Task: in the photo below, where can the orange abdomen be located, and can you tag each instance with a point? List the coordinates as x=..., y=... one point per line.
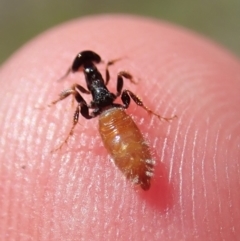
x=126, y=145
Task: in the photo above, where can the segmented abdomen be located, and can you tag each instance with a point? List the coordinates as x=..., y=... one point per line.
x=125, y=143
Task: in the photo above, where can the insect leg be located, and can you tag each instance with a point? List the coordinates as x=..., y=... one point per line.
x=82, y=105
x=82, y=108
x=75, y=121
x=126, y=75
x=119, y=85
x=71, y=91
x=127, y=94
x=63, y=95
x=82, y=89
x=107, y=74
x=125, y=99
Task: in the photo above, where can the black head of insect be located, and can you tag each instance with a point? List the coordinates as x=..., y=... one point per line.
x=83, y=58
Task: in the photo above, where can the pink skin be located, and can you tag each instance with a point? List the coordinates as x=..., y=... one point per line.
x=76, y=193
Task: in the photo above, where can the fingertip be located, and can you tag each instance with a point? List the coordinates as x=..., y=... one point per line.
x=181, y=73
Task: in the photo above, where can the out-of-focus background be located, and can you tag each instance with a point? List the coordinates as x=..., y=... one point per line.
x=22, y=20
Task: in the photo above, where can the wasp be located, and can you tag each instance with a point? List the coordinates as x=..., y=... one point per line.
x=120, y=135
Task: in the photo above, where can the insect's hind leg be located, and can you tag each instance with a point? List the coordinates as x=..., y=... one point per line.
x=127, y=95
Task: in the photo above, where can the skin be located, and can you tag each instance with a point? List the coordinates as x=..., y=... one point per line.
x=76, y=193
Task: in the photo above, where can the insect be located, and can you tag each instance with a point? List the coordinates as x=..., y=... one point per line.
x=120, y=135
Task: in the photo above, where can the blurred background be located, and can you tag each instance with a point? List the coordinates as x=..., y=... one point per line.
x=22, y=20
